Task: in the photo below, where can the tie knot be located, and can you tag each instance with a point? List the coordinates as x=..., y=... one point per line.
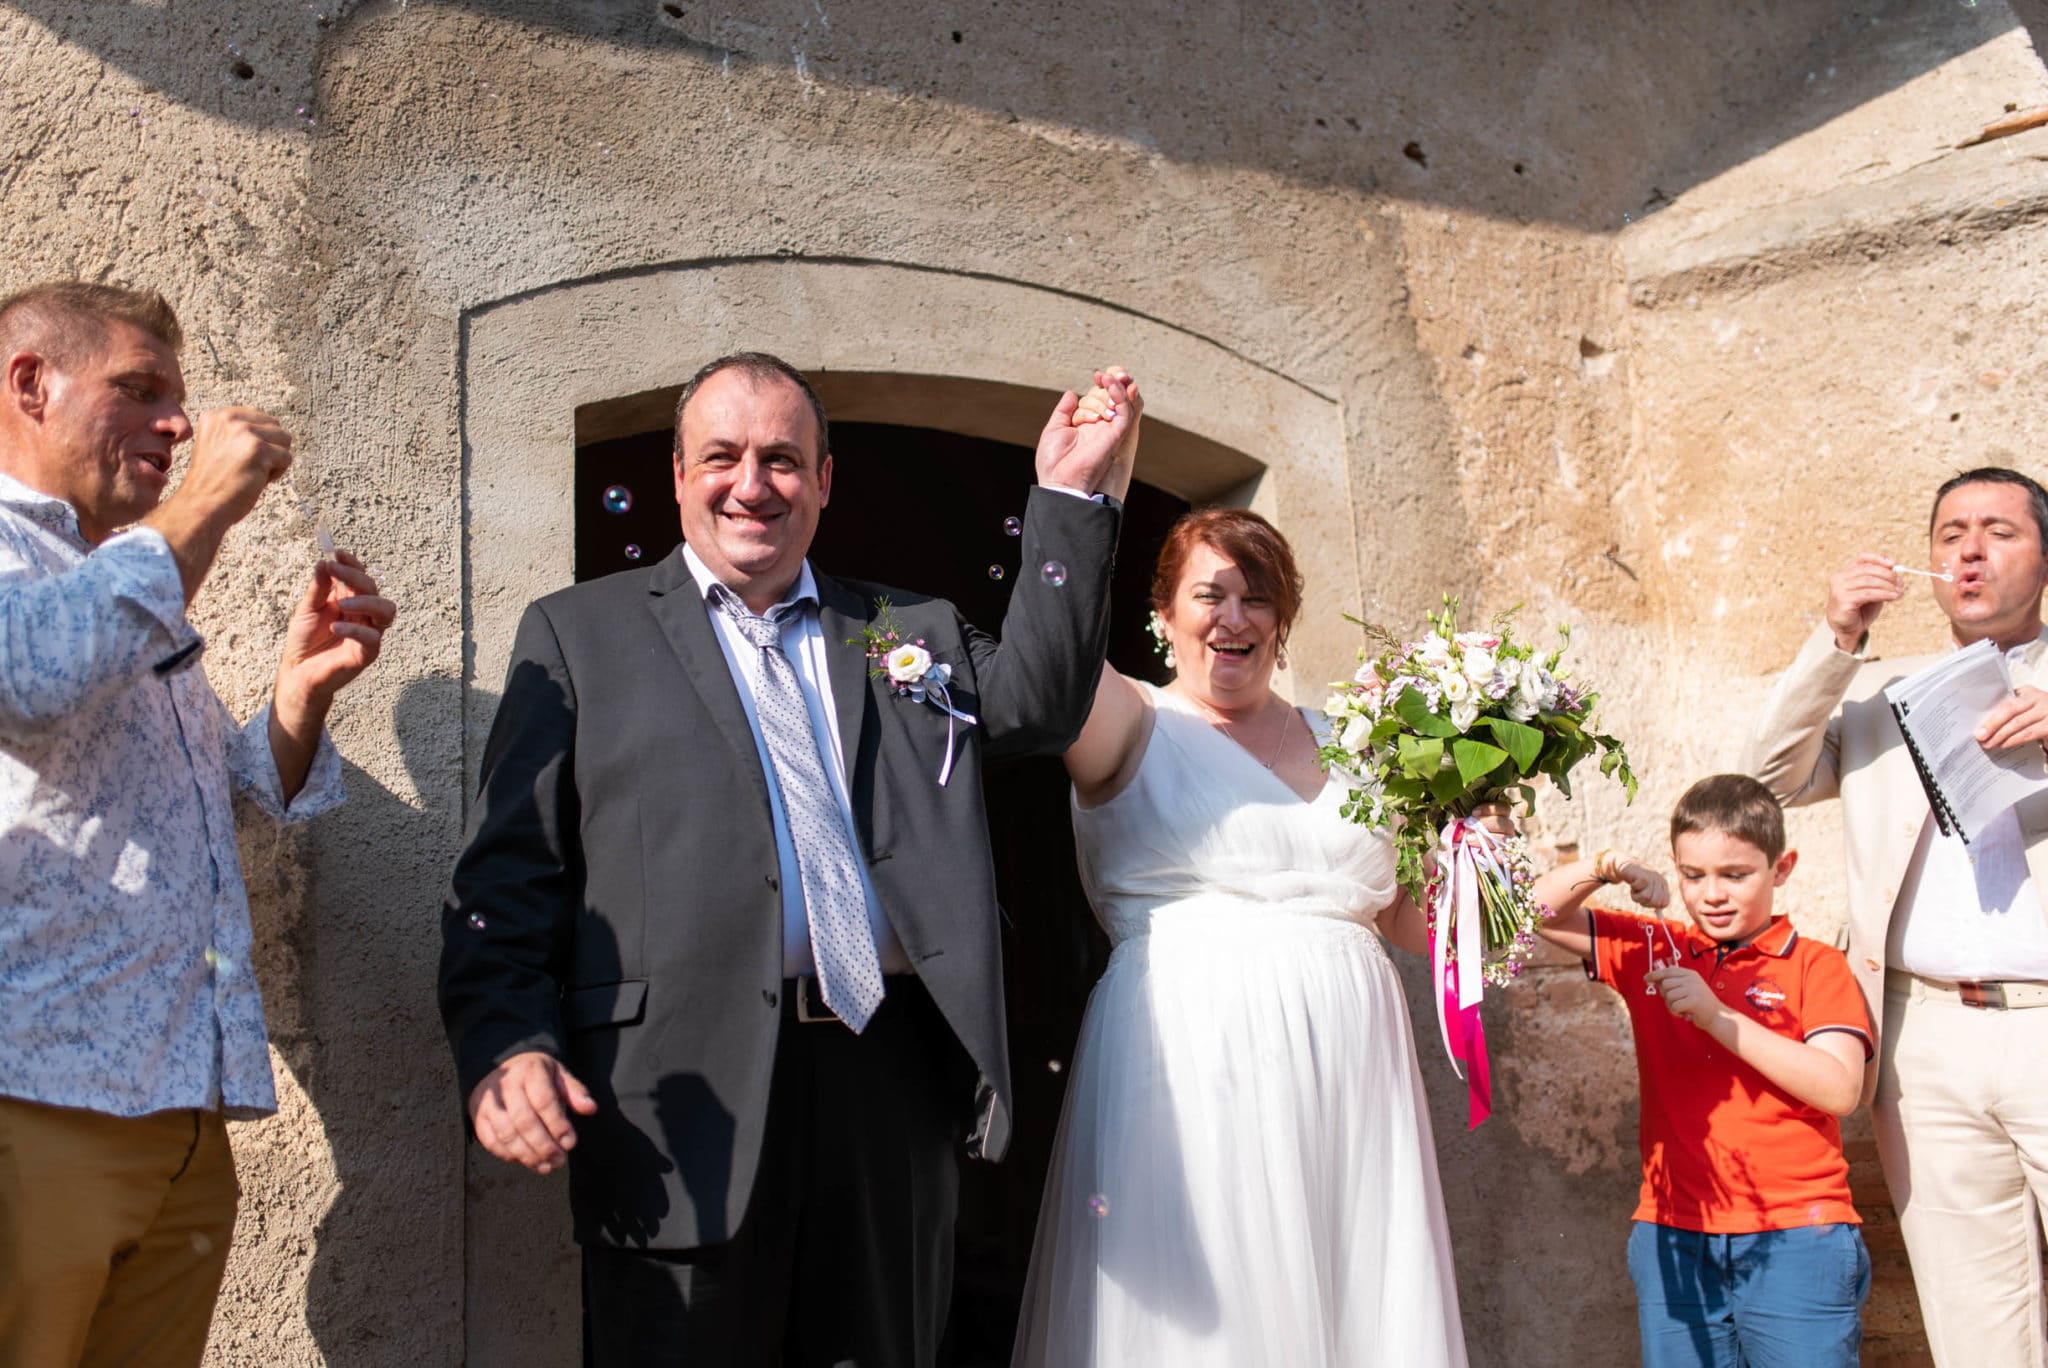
x=764, y=632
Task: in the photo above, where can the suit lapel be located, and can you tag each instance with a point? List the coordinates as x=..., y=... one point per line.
x=841, y=616
x=685, y=620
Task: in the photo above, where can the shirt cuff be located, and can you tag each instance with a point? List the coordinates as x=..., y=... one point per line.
x=1077, y=493
x=146, y=575
x=256, y=769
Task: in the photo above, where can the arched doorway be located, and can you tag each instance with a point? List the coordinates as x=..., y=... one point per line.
x=926, y=509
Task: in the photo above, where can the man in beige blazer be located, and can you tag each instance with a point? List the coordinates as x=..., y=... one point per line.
x=1949, y=943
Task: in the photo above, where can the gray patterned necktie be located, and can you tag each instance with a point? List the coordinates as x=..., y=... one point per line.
x=842, y=942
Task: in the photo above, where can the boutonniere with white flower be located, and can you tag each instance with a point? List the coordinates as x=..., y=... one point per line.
x=911, y=672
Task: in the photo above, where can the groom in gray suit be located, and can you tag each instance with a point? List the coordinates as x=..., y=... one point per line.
x=724, y=935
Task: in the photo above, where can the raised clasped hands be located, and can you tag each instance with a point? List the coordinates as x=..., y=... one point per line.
x=1090, y=443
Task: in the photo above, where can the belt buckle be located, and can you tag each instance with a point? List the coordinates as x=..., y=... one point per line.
x=1982, y=995
x=807, y=992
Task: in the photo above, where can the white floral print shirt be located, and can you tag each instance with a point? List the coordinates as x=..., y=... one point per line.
x=125, y=983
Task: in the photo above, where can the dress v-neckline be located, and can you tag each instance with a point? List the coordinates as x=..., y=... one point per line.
x=1190, y=712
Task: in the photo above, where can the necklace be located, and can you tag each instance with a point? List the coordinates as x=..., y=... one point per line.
x=1223, y=724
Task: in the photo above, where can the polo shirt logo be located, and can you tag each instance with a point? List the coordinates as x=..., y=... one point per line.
x=1765, y=995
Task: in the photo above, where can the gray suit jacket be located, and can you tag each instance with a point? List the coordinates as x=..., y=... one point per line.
x=621, y=858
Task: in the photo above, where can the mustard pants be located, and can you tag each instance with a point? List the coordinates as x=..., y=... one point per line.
x=114, y=1232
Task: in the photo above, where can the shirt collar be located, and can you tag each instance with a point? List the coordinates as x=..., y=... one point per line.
x=2028, y=657
x=46, y=510
x=805, y=590
x=1775, y=940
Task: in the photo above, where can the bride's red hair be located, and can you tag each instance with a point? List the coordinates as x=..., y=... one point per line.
x=1252, y=543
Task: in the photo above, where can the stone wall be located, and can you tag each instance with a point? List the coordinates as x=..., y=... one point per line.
x=1640, y=316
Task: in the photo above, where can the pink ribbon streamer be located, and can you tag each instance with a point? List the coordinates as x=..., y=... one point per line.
x=1454, y=909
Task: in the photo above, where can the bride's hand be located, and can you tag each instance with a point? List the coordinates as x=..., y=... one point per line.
x=1098, y=404
x=1498, y=818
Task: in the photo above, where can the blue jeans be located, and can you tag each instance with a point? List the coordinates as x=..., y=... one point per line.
x=1774, y=1299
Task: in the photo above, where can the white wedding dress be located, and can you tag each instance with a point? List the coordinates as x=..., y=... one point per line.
x=1244, y=1174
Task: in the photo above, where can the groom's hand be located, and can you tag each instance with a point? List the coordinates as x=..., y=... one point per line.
x=521, y=1111
x=1090, y=445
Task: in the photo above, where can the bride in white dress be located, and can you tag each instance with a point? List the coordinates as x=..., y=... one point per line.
x=1244, y=1174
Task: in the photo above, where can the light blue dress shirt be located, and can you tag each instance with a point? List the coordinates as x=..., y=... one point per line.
x=804, y=643
x=125, y=949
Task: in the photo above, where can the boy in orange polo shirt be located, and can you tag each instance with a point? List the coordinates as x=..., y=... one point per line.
x=1750, y=1041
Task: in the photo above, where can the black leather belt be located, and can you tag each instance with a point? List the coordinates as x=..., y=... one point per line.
x=803, y=1000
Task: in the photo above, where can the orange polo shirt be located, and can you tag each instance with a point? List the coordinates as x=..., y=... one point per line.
x=1726, y=1151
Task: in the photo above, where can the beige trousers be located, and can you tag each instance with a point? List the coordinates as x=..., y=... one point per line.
x=1962, y=1130
x=114, y=1233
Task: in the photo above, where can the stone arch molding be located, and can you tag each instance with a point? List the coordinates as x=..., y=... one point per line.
x=890, y=343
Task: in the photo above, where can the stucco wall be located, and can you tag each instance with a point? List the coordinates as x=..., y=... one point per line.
x=1641, y=316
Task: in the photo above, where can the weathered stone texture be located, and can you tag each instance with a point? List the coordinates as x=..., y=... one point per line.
x=1641, y=316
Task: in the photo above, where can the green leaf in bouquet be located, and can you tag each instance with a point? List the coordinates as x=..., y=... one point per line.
x=1475, y=759
x=1447, y=787
x=1386, y=729
x=1402, y=789
x=1523, y=742
x=1415, y=712
x=1421, y=756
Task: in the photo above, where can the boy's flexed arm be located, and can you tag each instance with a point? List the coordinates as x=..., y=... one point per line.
x=1824, y=1071
x=1564, y=891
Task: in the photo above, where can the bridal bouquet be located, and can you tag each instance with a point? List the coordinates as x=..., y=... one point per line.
x=1426, y=732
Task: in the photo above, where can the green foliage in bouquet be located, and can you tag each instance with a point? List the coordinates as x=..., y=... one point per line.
x=1429, y=730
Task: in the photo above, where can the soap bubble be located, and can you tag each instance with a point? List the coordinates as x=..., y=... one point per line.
x=476, y=921
x=1053, y=573
x=1053, y=1065
x=618, y=499
x=995, y=572
x=1013, y=526
x=633, y=551
x=220, y=964
x=201, y=1244
x=1098, y=1206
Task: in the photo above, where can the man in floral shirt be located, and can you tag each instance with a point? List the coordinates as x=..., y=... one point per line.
x=130, y=1025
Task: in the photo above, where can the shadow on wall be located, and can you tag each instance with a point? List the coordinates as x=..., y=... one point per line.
x=348, y=1008
x=1575, y=111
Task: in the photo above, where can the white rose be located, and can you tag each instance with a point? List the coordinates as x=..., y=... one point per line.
x=1434, y=650
x=1353, y=737
x=1337, y=705
x=1456, y=687
x=1520, y=711
x=908, y=663
x=1478, y=664
x=1464, y=714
